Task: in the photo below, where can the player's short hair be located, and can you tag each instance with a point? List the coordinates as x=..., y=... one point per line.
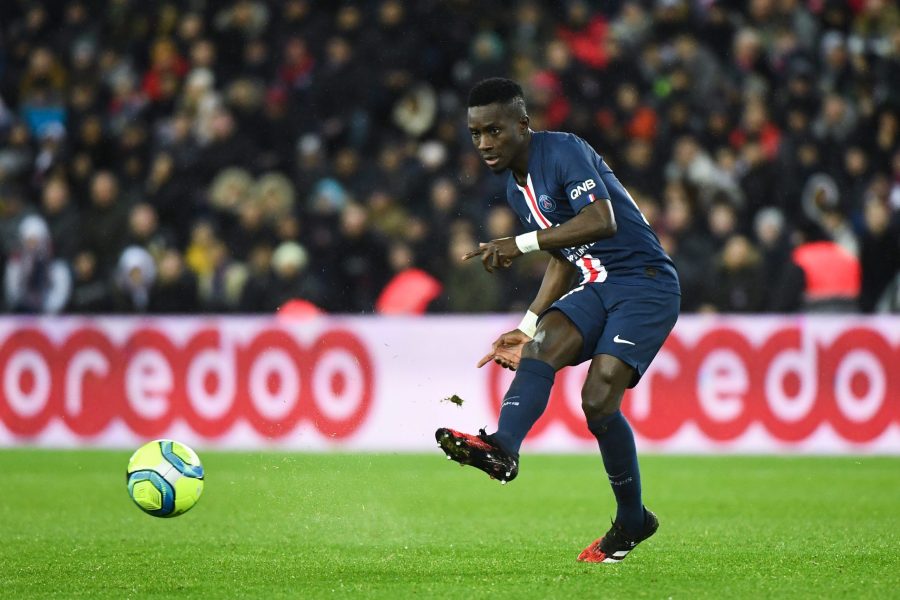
x=496, y=89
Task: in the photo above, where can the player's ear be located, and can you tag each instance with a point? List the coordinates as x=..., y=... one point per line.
x=523, y=124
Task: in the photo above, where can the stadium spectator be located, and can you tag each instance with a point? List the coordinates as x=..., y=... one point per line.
x=144, y=230
x=738, y=283
x=34, y=280
x=879, y=253
x=411, y=290
x=255, y=278
x=785, y=279
x=685, y=242
x=832, y=276
x=360, y=267
x=171, y=199
x=468, y=287
x=175, y=291
x=133, y=281
x=722, y=222
x=16, y=155
x=287, y=279
x=221, y=285
x=62, y=218
x=105, y=229
x=758, y=180
x=91, y=293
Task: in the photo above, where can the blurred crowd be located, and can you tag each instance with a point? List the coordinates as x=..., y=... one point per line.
x=230, y=156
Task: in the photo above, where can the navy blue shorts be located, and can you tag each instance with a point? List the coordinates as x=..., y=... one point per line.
x=626, y=321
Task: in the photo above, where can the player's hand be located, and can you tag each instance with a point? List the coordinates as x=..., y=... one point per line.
x=496, y=254
x=507, y=350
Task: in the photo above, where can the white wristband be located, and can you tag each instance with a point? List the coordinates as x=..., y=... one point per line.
x=528, y=326
x=528, y=242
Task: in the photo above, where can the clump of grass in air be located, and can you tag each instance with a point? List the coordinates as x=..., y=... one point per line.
x=454, y=399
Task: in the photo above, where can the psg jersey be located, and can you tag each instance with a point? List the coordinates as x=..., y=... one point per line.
x=565, y=175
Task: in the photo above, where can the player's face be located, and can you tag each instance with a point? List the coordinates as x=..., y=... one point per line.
x=498, y=134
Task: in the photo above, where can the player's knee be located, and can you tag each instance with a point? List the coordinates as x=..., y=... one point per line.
x=600, y=397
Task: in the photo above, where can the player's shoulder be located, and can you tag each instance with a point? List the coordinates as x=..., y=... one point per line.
x=564, y=146
x=561, y=140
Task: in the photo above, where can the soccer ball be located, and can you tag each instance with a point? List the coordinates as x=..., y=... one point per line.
x=165, y=478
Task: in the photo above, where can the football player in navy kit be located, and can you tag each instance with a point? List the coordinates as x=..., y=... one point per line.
x=610, y=295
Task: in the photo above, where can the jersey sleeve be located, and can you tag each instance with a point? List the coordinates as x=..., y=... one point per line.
x=578, y=174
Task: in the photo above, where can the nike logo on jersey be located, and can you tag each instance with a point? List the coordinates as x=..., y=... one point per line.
x=619, y=340
x=528, y=218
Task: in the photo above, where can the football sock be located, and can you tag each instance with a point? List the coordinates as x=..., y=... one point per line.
x=617, y=447
x=524, y=403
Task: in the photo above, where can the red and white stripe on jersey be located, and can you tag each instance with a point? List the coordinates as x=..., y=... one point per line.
x=531, y=202
x=592, y=270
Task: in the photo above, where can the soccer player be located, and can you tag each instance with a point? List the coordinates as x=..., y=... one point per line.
x=618, y=315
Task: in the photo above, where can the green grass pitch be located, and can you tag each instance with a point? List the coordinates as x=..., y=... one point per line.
x=275, y=525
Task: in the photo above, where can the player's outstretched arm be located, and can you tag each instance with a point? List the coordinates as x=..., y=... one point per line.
x=596, y=221
x=506, y=351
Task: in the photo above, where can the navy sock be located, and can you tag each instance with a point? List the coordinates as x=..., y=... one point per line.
x=616, y=442
x=524, y=402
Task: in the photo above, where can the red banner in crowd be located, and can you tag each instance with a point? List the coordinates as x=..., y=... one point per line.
x=811, y=384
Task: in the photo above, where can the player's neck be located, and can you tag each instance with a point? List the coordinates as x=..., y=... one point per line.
x=519, y=165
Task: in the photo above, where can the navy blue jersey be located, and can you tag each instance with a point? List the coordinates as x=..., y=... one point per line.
x=564, y=175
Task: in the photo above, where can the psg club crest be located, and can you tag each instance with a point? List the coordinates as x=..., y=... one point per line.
x=546, y=203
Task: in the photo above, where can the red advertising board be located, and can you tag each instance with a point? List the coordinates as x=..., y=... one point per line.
x=814, y=384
